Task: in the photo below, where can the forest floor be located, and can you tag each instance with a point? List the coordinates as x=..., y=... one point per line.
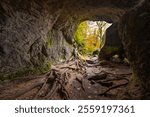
x=74, y=79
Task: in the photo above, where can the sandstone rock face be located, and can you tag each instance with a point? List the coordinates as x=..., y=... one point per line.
x=134, y=30
x=28, y=43
x=35, y=33
x=113, y=44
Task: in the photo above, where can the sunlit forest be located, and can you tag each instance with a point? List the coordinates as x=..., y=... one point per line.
x=90, y=36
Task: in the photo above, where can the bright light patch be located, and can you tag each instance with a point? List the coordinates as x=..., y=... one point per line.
x=90, y=36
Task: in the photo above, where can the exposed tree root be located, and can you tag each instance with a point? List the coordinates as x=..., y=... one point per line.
x=98, y=77
x=15, y=92
x=113, y=87
x=109, y=82
x=57, y=78
x=59, y=81
x=82, y=84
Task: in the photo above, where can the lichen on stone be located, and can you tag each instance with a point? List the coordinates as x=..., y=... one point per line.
x=49, y=39
x=25, y=72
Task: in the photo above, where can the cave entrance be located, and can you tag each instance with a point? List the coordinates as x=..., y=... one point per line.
x=90, y=37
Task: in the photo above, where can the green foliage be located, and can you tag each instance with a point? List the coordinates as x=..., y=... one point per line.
x=92, y=44
x=90, y=38
x=81, y=33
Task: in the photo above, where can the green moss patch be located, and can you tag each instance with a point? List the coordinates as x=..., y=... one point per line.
x=25, y=72
x=49, y=39
x=111, y=49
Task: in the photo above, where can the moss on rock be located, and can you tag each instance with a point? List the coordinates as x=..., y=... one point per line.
x=107, y=52
x=49, y=39
x=25, y=72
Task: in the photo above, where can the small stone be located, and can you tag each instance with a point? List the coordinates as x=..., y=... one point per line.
x=89, y=96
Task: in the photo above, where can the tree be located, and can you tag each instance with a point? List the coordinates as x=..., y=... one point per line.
x=90, y=36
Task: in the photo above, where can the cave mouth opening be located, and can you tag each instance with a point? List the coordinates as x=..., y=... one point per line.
x=90, y=37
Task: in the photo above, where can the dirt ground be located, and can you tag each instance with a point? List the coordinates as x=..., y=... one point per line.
x=74, y=80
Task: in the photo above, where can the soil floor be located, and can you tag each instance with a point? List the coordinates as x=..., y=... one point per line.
x=74, y=80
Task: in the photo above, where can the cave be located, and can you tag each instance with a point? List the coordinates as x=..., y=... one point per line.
x=37, y=37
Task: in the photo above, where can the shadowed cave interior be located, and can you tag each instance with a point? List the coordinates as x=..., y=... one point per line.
x=42, y=55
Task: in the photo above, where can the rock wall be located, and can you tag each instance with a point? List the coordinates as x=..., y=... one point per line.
x=134, y=30
x=113, y=44
x=28, y=42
